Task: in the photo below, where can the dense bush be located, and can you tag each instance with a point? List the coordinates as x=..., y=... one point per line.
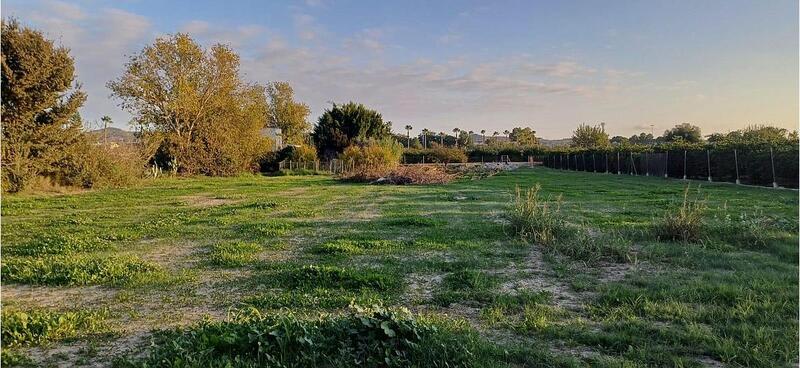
x=371, y=160
x=41, y=124
x=369, y=337
x=346, y=125
x=436, y=154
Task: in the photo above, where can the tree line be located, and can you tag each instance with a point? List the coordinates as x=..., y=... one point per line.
x=194, y=114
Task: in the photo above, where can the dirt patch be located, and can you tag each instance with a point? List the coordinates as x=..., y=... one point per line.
x=207, y=201
x=421, y=287
x=56, y=297
x=537, y=276
x=172, y=255
x=95, y=354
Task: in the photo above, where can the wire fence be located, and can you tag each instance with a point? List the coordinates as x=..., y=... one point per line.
x=334, y=166
x=766, y=167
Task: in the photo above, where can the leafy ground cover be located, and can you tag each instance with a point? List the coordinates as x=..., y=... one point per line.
x=254, y=270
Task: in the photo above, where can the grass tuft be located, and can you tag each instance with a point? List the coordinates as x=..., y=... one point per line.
x=536, y=219
x=685, y=221
x=233, y=254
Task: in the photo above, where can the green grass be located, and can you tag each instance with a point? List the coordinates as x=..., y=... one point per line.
x=302, y=249
x=38, y=326
x=233, y=254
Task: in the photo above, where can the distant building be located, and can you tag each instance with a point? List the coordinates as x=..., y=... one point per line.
x=275, y=135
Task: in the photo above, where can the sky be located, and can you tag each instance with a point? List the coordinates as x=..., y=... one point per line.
x=634, y=65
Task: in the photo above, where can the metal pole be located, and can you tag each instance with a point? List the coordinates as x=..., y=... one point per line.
x=772, y=161
x=619, y=171
x=736, y=159
x=684, y=164
x=606, y=165
x=594, y=164
x=646, y=165
x=666, y=164
x=708, y=159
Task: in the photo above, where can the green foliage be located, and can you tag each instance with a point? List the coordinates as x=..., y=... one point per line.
x=322, y=298
x=287, y=114
x=267, y=230
x=585, y=246
x=312, y=276
x=38, y=326
x=75, y=269
x=587, y=136
x=342, y=126
x=684, y=222
x=41, y=125
x=58, y=244
x=536, y=219
x=683, y=133
x=301, y=153
x=370, y=337
x=347, y=246
x=523, y=136
x=233, y=254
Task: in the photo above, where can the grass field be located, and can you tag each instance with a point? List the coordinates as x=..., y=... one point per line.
x=254, y=270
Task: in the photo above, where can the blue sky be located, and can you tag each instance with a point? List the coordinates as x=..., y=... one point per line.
x=475, y=65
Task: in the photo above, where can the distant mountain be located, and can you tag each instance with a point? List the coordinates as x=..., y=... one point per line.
x=115, y=135
x=555, y=142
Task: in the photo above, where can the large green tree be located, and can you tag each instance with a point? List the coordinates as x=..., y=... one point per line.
x=286, y=113
x=587, y=136
x=40, y=102
x=191, y=104
x=523, y=136
x=683, y=132
x=343, y=125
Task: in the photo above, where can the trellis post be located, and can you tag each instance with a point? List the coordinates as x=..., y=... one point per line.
x=646, y=165
x=619, y=171
x=736, y=160
x=772, y=162
x=708, y=160
x=594, y=164
x=684, y=164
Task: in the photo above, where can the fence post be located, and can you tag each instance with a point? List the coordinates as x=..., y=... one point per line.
x=666, y=165
x=736, y=160
x=606, y=165
x=594, y=164
x=646, y=165
x=708, y=159
x=684, y=164
x=619, y=171
x=633, y=165
x=583, y=160
x=772, y=162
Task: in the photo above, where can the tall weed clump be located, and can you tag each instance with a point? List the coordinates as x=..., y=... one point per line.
x=372, y=160
x=684, y=222
x=535, y=218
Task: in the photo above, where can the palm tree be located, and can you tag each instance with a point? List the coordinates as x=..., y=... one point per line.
x=425, y=138
x=441, y=138
x=506, y=132
x=495, y=134
x=408, y=135
x=455, y=131
x=469, y=137
x=483, y=134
